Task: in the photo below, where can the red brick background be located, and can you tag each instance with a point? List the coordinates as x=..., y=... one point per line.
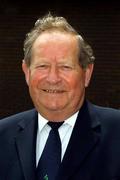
x=98, y=22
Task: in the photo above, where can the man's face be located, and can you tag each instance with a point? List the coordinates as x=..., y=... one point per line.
x=56, y=80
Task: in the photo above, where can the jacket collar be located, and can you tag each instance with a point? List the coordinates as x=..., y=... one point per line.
x=84, y=138
x=26, y=143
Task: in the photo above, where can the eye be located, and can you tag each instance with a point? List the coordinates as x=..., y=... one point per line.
x=67, y=67
x=42, y=66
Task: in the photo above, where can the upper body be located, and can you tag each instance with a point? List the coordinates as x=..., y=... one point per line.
x=58, y=66
x=92, y=153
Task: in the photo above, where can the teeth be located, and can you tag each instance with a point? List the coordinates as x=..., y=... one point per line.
x=52, y=91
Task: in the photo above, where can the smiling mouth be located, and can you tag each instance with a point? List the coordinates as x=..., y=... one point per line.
x=53, y=91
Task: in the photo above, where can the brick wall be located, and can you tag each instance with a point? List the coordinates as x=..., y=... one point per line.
x=98, y=22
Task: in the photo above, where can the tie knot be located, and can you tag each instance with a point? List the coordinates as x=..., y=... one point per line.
x=55, y=125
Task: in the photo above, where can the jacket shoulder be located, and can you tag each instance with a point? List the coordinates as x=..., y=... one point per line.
x=16, y=118
x=107, y=116
x=107, y=112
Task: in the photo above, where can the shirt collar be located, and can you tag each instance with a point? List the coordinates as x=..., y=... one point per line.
x=42, y=121
x=71, y=120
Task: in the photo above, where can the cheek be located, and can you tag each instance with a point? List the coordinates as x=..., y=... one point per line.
x=77, y=92
x=36, y=78
x=76, y=83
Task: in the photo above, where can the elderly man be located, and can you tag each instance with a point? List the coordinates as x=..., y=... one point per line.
x=65, y=137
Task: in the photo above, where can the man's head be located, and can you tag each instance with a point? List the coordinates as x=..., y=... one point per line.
x=58, y=66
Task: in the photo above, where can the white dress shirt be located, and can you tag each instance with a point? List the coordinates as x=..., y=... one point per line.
x=65, y=132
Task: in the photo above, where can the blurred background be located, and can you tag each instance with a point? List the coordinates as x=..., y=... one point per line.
x=98, y=22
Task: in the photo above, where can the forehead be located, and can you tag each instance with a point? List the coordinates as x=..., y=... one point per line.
x=55, y=45
x=55, y=37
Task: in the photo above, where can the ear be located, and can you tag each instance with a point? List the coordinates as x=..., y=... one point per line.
x=25, y=69
x=88, y=74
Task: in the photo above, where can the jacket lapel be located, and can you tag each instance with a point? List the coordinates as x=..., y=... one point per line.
x=26, y=143
x=82, y=141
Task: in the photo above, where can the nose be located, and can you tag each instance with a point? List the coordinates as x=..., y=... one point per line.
x=53, y=75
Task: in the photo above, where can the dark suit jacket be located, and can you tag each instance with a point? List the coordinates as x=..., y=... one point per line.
x=93, y=152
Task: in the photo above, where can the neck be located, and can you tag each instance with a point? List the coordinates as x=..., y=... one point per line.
x=57, y=116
